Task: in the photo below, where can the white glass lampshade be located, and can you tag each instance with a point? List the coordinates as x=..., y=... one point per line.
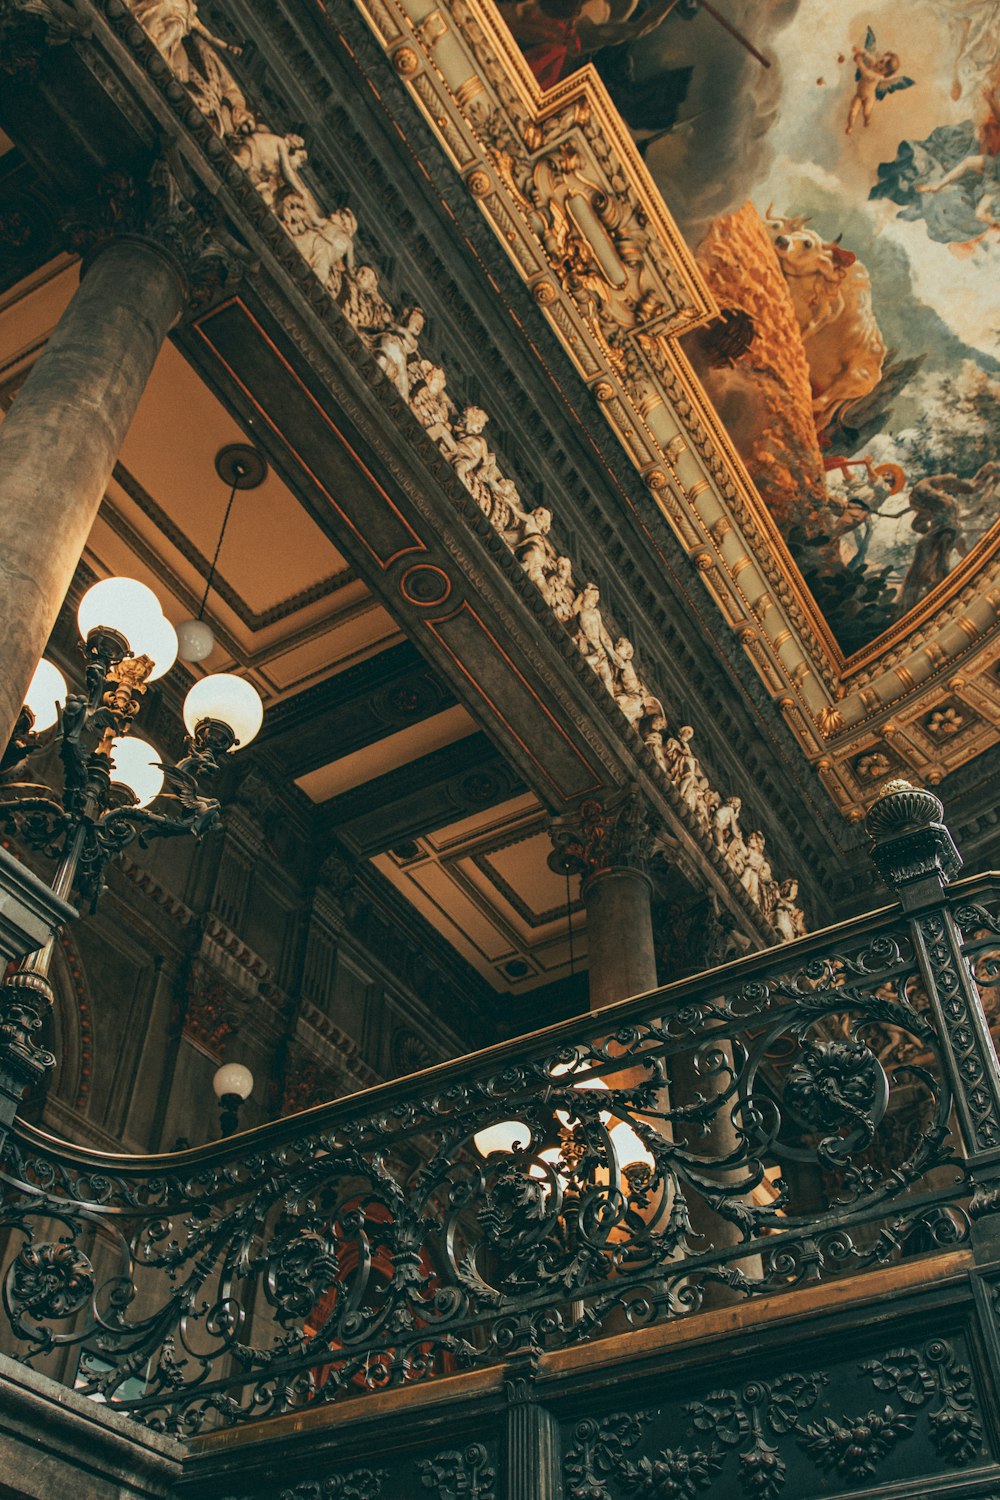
x=164, y=653
x=228, y=699
x=135, y=764
x=233, y=1078
x=195, y=640
x=629, y=1148
x=125, y=605
x=503, y=1136
x=46, y=694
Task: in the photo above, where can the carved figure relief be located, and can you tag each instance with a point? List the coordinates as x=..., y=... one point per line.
x=554, y=188
x=429, y=401
x=472, y=459
x=363, y=303
x=396, y=345
x=273, y=163
x=325, y=241
x=591, y=636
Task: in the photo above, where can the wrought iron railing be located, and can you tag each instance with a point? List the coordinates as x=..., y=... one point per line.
x=801, y=1114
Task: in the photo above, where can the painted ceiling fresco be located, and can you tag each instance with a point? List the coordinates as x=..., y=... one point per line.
x=837, y=173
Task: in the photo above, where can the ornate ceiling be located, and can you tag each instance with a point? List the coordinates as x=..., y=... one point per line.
x=391, y=765
x=560, y=180
x=367, y=527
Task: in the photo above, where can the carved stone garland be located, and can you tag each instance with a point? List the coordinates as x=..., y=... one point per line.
x=274, y=163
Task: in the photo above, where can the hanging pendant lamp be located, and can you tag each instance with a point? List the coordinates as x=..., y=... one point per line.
x=242, y=468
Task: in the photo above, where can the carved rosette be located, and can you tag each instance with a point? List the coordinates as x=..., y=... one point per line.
x=612, y=833
x=49, y=1281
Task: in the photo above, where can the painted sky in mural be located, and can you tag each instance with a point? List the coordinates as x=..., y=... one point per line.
x=844, y=206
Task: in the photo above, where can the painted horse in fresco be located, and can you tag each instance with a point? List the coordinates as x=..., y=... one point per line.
x=831, y=293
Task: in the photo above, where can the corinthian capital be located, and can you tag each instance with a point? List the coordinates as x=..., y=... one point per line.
x=28, y=27
x=615, y=832
x=169, y=211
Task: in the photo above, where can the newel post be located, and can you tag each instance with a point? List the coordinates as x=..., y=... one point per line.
x=915, y=855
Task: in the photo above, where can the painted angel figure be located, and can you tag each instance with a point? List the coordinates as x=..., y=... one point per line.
x=876, y=76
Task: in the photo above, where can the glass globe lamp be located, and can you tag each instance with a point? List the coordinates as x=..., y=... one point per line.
x=563, y=1115
x=127, y=611
x=233, y=1079
x=630, y=1150
x=164, y=652
x=195, y=640
x=46, y=695
x=226, y=709
x=135, y=765
x=551, y=1157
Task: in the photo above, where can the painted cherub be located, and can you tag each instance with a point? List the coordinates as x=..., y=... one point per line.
x=877, y=76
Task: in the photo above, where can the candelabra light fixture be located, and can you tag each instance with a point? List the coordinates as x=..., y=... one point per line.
x=109, y=777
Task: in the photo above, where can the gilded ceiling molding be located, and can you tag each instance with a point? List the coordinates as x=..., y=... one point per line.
x=561, y=183
x=654, y=296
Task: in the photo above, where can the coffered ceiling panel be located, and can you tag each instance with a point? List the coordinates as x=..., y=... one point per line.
x=484, y=884
x=385, y=755
x=274, y=557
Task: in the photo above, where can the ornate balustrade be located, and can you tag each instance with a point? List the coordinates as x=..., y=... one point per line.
x=805, y=1113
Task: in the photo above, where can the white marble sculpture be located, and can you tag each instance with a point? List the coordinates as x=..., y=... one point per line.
x=630, y=692
x=363, y=303
x=754, y=866
x=472, y=458
x=273, y=163
x=429, y=401
x=506, y=506
x=560, y=590
x=591, y=637
x=396, y=345
x=529, y=540
x=325, y=241
x=194, y=54
x=788, y=918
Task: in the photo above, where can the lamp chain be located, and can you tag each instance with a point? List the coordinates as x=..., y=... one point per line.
x=569, y=928
x=238, y=473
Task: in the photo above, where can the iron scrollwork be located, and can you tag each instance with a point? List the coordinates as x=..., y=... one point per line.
x=389, y=1238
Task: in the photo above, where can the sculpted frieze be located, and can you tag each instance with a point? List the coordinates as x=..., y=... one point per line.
x=619, y=285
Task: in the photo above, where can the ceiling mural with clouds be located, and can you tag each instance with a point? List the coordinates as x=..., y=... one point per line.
x=836, y=171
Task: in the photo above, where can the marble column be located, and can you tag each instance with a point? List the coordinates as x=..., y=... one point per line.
x=619, y=935
x=61, y=438
x=608, y=844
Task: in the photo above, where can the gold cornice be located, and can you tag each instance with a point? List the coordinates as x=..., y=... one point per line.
x=619, y=288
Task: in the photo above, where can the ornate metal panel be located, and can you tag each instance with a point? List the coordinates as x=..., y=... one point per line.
x=782, y=1120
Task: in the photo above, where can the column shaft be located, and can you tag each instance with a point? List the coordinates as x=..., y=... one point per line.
x=621, y=958
x=61, y=438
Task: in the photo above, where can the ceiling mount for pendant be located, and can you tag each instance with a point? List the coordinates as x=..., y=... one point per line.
x=240, y=466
